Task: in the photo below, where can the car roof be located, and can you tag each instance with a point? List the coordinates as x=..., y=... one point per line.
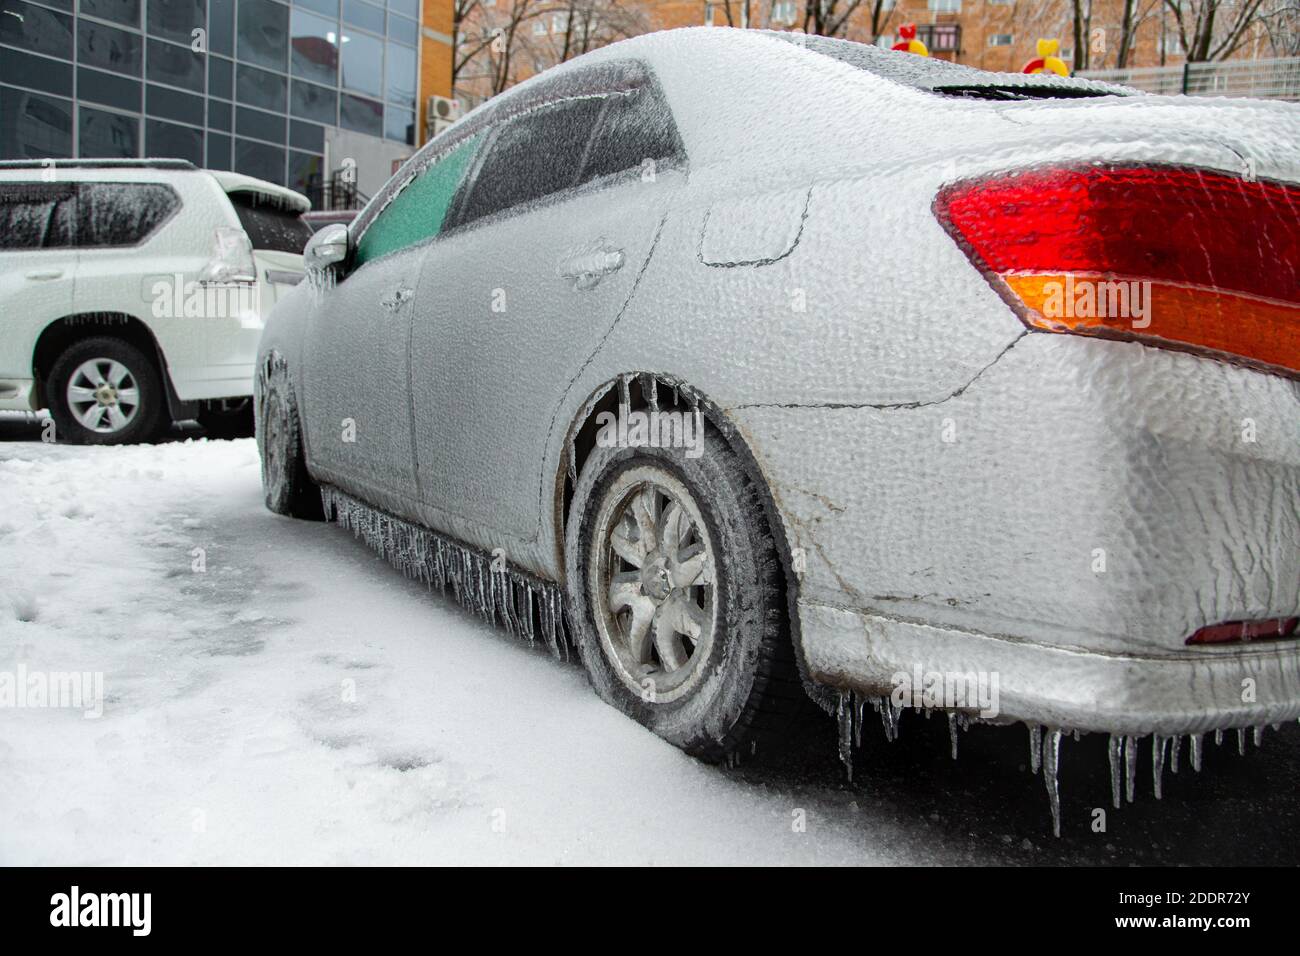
x=181, y=164
x=134, y=170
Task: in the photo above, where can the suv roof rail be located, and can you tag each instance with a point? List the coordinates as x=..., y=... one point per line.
x=97, y=164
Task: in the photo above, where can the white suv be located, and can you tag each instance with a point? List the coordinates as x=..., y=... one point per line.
x=132, y=291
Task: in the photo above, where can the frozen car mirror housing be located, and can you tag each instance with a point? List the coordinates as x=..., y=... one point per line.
x=326, y=247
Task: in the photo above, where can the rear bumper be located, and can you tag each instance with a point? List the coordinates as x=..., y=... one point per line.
x=1065, y=523
x=1211, y=689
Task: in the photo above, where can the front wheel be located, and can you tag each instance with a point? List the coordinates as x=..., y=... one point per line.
x=104, y=391
x=286, y=484
x=677, y=596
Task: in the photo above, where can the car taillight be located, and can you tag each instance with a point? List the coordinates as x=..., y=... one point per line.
x=1168, y=256
x=1233, y=632
x=232, y=257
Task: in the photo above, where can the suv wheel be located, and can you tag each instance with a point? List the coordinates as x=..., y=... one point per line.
x=103, y=391
x=676, y=596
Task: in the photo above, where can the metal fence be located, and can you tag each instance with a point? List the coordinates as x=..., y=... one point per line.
x=1277, y=79
x=335, y=191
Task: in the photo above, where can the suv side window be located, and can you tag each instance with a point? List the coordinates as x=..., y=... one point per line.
x=535, y=154
x=419, y=211
x=120, y=214
x=636, y=126
x=35, y=215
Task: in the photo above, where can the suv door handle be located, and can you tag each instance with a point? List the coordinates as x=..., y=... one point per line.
x=44, y=274
x=587, y=268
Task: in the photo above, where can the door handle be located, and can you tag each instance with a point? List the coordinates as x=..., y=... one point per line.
x=396, y=299
x=585, y=269
x=42, y=275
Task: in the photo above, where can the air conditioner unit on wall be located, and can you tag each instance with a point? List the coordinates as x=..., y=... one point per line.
x=439, y=113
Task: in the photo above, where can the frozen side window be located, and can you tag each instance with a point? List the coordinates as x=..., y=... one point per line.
x=270, y=225
x=534, y=155
x=28, y=214
x=635, y=127
x=418, y=211
x=120, y=214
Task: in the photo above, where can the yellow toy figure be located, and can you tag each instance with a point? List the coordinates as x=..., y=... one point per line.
x=907, y=41
x=1047, y=59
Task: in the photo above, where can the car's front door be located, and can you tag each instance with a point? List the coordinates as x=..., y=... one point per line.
x=551, y=234
x=356, y=359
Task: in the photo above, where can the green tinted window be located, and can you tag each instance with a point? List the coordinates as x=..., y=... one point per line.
x=418, y=211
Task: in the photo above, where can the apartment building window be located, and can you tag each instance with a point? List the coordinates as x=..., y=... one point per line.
x=1000, y=39
x=940, y=37
x=944, y=6
x=785, y=12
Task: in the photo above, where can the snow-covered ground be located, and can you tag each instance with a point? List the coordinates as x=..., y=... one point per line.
x=274, y=693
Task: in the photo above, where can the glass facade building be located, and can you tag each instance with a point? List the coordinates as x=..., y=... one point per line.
x=248, y=85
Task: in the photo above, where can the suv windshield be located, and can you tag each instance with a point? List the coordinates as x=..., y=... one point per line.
x=949, y=79
x=269, y=225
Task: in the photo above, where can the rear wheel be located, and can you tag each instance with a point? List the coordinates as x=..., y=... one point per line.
x=103, y=391
x=286, y=485
x=677, y=597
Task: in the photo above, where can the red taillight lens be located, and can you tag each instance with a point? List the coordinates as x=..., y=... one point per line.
x=1164, y=255
x=1233, y=632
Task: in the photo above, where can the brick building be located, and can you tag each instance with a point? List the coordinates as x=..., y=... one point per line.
x=990, y=34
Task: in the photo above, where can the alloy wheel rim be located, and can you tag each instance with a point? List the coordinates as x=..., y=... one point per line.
x=103, y=395
x=654, y=585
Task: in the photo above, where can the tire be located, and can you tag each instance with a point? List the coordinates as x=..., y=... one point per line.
x=113, y=369
x=717, y=693
x=286, y=484
x=236, y=422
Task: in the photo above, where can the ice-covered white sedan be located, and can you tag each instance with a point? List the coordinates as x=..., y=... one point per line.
x=762, y=365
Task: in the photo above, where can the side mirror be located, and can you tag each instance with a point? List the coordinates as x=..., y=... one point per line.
x=326, y=247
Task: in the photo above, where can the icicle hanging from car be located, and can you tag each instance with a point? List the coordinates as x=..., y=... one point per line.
x=1051, y=763
x=523, y=604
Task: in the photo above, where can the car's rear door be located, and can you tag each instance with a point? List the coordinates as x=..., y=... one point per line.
x=551, y=234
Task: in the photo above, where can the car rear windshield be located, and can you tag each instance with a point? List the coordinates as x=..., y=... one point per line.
x=949, y=79
x=270, y=225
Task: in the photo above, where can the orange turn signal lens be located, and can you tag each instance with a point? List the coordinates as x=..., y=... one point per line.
x=1238, y=327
